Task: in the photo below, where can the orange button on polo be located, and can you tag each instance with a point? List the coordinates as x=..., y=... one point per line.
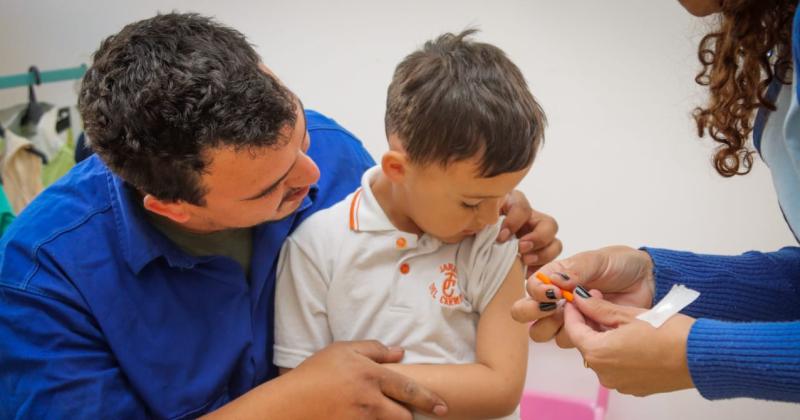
x=404, y=268
x=401, y=242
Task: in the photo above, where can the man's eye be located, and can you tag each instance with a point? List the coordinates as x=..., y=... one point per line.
x=469, y=206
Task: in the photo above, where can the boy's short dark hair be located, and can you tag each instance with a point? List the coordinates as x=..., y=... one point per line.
x=165, y=90
x=455, y=99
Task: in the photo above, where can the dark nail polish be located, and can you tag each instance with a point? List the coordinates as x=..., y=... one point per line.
x=580, y=291
x=547, y=306
x=550, y=293
x=562, y=275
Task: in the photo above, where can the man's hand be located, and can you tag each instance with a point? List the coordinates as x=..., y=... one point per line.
x=627, y=354
x=624, y=275
x=536, y=231
x=350, y=383
x=342, y=381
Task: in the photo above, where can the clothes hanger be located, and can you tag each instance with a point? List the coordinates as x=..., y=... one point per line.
x=34, y=111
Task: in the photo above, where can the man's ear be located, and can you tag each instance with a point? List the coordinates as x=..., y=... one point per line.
x=395, y=165
x=174, y=210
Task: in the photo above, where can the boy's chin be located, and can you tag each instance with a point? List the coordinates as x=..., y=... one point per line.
x=455, y=238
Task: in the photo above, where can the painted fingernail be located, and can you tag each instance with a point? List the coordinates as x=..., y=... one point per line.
x=550, y=293
x=580, y=291
x=562, y=275
x=547, y=306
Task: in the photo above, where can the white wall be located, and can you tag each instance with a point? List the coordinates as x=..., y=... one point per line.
x=621, y=162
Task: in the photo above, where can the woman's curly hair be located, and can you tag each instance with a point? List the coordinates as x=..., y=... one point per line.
x=750, y=47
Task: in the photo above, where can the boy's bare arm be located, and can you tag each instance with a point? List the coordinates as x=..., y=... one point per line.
x=492, y=386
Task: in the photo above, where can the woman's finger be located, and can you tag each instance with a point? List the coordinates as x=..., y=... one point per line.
x=541, y=292
x=529, y=310
x=545, y=329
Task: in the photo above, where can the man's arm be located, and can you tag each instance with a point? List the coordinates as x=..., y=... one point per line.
x=492, y=386
x=56, y=363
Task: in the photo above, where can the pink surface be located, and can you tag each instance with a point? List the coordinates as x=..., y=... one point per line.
x=542, y=406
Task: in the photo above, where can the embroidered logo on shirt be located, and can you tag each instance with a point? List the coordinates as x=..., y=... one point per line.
x=450, y=292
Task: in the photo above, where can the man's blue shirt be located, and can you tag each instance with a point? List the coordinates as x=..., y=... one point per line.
x=101, y=316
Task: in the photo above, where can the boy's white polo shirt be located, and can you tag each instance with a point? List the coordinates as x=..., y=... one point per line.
x=348, y=274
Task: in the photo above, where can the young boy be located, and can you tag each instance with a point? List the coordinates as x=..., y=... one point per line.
x=410, y=258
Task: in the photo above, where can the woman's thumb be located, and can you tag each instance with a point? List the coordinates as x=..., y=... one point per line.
x=601, y=311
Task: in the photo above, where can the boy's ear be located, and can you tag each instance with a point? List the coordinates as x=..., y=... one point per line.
x=175, y=210
x=395, y=165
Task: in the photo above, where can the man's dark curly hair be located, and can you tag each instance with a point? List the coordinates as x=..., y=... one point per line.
x=164, y=91
x=455, y=99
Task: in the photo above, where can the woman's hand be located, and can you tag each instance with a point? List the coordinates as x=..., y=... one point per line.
x=624, y=275
x=628, y=354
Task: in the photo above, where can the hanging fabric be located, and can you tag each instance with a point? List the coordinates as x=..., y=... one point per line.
x=6, y=214
x=38, y=146
x=21, y=170
x=59, y=130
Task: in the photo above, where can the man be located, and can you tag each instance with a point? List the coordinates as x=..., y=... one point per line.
x=142, y=284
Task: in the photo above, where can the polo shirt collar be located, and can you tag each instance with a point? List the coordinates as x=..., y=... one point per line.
x=366, y=214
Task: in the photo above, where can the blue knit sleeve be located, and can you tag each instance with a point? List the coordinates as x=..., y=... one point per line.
x=737, y=354
x=745, y=359
x=754, y=286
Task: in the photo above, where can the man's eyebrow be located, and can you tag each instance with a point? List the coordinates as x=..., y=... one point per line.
x=270, y=189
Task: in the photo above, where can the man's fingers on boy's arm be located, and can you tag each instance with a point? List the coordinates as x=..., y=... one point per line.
x=541, y=240
x=544, y=255
x=518, y=212
x=544, y=229
x=392, y=410
x=405, y=390
x=376, y=351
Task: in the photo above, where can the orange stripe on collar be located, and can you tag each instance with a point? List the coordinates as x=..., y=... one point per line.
x=354, y=209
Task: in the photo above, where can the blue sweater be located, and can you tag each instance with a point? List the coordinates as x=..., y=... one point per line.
x=746, y=341
x=751, y=347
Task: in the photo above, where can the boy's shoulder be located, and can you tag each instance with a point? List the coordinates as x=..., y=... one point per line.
x=476, y=253
x=485, y=264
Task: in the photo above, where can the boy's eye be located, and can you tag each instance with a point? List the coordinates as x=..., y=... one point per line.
x=469, y=206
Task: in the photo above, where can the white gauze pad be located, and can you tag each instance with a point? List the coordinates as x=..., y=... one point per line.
x=678, y=298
